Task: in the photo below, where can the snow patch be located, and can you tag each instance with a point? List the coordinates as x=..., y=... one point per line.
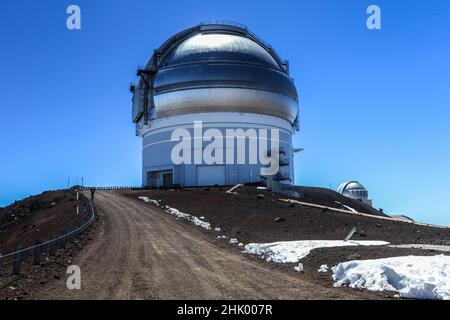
x=179, y=214
x=294, y=251
x=299, y=268
x=233, y=241
x=148, y=200
x=323, y=268
x=412, y=276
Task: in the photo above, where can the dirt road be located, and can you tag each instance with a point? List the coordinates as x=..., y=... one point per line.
x=141, y=252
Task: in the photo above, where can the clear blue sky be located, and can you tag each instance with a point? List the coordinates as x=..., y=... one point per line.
x=375, y=105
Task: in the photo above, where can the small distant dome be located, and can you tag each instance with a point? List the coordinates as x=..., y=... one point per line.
x=354, y=190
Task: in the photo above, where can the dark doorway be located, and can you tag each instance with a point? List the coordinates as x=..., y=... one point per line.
x=168, y=179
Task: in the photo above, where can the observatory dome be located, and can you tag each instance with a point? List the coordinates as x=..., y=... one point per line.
x=219, y=68
x=354, y=190
x=221, y=75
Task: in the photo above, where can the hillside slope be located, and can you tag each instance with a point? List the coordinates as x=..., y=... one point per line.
x=329, y=198
x=249, y=218
x=37, y=217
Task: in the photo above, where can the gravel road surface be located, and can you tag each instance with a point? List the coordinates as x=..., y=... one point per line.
x=141, y=252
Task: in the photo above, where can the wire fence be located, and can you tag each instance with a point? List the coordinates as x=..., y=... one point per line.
x=117, y=188
x=51, y=246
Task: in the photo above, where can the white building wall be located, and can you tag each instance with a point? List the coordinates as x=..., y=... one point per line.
x=157, y=146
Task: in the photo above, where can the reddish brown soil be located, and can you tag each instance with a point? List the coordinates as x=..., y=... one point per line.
x=38, y=217
x=134, y=242
x=31, y=283
x=249, y=219
x=141, y=252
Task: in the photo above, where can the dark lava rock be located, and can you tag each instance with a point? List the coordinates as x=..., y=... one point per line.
x=354, y=256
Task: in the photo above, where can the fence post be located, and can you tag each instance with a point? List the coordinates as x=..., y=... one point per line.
x=52, y=251
x=1, y=261
x=37, y=252
x=44, y=248
x=59, y=242
x=17, y=260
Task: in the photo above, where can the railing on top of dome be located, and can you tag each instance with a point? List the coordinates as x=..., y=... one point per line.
x=224, y=22
x=235, y=24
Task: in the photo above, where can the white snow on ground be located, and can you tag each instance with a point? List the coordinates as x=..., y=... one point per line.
x=412, y=276
x=234, y=241
x=191, y=218
x=146, y=199
x=293, y=251
x=323, y=268
x=179, y=214
x=299, y=268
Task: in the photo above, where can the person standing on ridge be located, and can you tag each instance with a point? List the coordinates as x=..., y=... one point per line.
x=92, y=193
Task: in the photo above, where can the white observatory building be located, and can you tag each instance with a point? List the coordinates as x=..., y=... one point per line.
x=224, y=76
x=355, y=190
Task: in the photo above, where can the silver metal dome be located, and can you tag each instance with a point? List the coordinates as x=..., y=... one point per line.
x=215, y=68
x=354, y=190
x=216, y=47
